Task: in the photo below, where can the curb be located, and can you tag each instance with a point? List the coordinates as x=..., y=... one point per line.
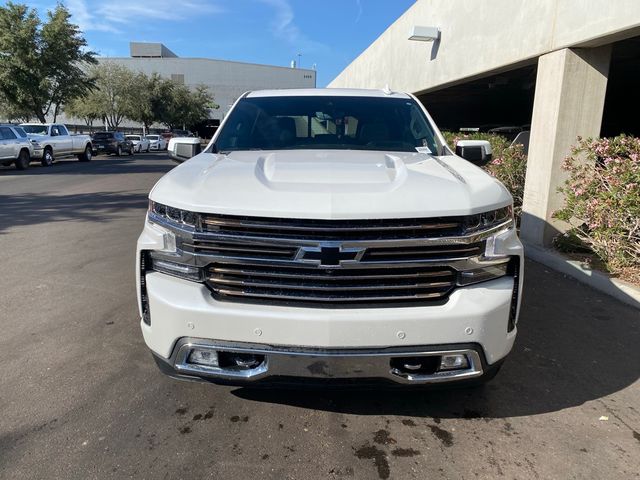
x=619, y=289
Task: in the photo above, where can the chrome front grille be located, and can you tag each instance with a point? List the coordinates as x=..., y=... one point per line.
x=331, y=263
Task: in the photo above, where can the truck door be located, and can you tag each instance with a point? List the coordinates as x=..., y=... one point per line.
x=63, y=141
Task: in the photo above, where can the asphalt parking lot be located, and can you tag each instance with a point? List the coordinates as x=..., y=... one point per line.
x=80, y=396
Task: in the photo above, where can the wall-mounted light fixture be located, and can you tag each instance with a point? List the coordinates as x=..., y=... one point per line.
x=424, y=34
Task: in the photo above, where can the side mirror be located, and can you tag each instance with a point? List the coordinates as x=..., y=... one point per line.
x=182, y=149
x=477, y=152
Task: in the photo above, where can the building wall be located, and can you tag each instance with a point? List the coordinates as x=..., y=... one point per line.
x=482, y=36
x=226, y=80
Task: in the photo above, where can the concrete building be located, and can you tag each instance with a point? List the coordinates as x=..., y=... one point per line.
x=567, y=68
x=227, y=80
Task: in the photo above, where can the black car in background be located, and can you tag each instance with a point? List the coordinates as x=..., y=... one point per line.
x=111, y=142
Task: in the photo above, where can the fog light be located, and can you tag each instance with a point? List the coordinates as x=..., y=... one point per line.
x=208, y=358
x=453, y=362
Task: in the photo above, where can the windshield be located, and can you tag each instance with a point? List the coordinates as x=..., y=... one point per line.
x=35, y=129
x=326, y=122
x=153, y=137
x=133, y=137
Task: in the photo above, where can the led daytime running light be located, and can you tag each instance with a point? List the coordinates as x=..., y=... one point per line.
x=173, y=215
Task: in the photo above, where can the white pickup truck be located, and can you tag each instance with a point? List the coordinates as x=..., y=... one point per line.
x=329, y=237
x=52, y=141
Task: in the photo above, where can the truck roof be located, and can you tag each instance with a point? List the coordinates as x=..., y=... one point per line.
x=328, y=92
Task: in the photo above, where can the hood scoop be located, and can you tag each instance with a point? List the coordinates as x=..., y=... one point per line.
x=336, y=170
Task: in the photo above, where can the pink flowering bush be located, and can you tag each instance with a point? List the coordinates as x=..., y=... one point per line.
x=602, y=199
x=509, y=164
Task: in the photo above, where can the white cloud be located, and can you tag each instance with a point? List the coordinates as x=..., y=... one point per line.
x=114, y=15
x=86, y=21
x=284, y=27
x=359, y=5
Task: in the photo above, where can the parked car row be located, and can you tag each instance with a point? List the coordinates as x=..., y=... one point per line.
x=22, y=144
x=46, y=142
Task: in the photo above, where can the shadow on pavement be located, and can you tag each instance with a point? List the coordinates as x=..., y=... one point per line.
x=32, y=209
x=574, y=345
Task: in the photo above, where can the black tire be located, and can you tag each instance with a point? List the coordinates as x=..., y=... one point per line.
x=119, y=151
x=131, y=151
x=87, y=155
x=47, y=157
x=23, y=160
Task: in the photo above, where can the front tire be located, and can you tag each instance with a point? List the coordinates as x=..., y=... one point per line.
x=86, y=156
x=23, y=161
x=47, y=157
x=119, y=151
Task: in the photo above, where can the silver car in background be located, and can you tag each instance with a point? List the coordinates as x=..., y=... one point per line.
x=15, y=147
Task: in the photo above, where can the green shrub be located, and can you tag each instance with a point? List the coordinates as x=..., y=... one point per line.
x=602, y=199
x=509, y=164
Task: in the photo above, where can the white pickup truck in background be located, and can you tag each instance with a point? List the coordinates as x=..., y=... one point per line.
x=52, y=141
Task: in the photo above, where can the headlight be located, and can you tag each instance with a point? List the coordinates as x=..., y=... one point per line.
x=173, y=215
x=489, y=220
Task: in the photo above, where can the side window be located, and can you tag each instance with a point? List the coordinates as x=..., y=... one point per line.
x=21, y=133
x=62, y=130
x=7, y=134
x=54, y=131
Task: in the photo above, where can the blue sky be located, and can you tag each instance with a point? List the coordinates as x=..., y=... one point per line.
x=328, y=33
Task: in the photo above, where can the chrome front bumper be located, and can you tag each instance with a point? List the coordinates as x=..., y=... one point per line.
x=286, y=365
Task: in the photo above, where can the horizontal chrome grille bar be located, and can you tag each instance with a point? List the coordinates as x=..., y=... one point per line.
x=317, y=276
x=330, y=299
x=334, y=288
x=335, y=228
x=249, y=249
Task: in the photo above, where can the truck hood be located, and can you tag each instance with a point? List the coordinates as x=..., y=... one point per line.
x=330, y=184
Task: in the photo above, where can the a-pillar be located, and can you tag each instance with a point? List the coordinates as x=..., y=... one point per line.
x=570, y=91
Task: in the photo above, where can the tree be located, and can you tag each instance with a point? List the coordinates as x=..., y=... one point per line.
x=41, y=64
x=188, y=107
x=12, y=113
x=114, y=97
x=83, y=108
x=152, y=94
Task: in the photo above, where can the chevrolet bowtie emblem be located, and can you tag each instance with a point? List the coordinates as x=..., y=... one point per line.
x=329, y=255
